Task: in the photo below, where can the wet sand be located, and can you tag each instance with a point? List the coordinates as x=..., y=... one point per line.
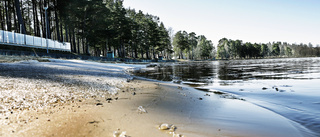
x=194, y=113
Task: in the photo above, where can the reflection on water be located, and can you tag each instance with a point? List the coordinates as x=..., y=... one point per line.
x=208, y=72
x=289, y=87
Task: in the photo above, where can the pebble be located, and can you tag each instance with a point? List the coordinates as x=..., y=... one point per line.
x=119, y=134
x=99, y=104
x=177, y=135
x=173, y=128
x=141, y=110
x=164, y=126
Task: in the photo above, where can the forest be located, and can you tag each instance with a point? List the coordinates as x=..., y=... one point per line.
x=237, y=49
x=190, y=46
x=96, y=27
x=93, y=27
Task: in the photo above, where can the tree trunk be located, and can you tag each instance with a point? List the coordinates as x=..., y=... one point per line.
x=37, y=20
x=78, y=43
x=83, y=45
x=57, y=21
x=8, y=15
x=61, y=32
x=87, y=48
x=66, y=28
x=42, y=18
x=142, y=53
x=147, y=53
x=135, y=52
x=2, y=16
x=74, y=41
x=154, y=55
x=34, y=18
x=181, y=54
x=70, y=40
x=15, y=22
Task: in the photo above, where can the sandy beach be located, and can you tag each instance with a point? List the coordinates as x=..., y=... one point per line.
x=53, y=97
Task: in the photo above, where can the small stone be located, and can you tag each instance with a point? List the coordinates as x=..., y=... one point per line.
x=141, y=110
x=200, y=98
x=134, y=93
x=92, y=122
x=164, y=126
x=99, y=104
x=108, y=99
x=176, y=135
x=116, y=133
x=173, y=128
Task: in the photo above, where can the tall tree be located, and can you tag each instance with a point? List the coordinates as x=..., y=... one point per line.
x=193, y=42
x=275, y=49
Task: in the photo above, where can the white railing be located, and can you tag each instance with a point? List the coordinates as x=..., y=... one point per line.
x=18, y=39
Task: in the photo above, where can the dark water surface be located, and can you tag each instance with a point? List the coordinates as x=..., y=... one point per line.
x=288, y=87
x=208, y=72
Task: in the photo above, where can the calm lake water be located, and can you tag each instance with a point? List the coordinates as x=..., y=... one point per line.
x=288, y=87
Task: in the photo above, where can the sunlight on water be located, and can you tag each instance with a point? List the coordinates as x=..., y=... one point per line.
x=289, y=87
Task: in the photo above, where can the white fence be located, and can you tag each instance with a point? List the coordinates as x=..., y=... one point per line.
x=18, y=39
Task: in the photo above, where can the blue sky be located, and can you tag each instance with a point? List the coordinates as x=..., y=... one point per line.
x=261, y=21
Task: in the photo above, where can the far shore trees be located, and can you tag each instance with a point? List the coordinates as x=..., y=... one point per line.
x=236, y=49
x=190, y=46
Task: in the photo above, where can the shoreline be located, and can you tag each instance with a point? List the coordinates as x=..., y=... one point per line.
x=194, y=113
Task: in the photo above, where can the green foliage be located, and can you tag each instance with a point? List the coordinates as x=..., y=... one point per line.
x=93, y=26
x=195, y=47
x=275, y=49
x=288, y=51
x=222, y=52
x=206, y=47
x=264, y=50
x=230, y=49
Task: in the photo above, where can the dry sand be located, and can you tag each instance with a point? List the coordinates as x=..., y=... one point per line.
x=74, y=103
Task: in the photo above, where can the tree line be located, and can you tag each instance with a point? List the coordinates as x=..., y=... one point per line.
x=93, y=27
x=190, y=46
x=236, y=49
x=96, y=27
